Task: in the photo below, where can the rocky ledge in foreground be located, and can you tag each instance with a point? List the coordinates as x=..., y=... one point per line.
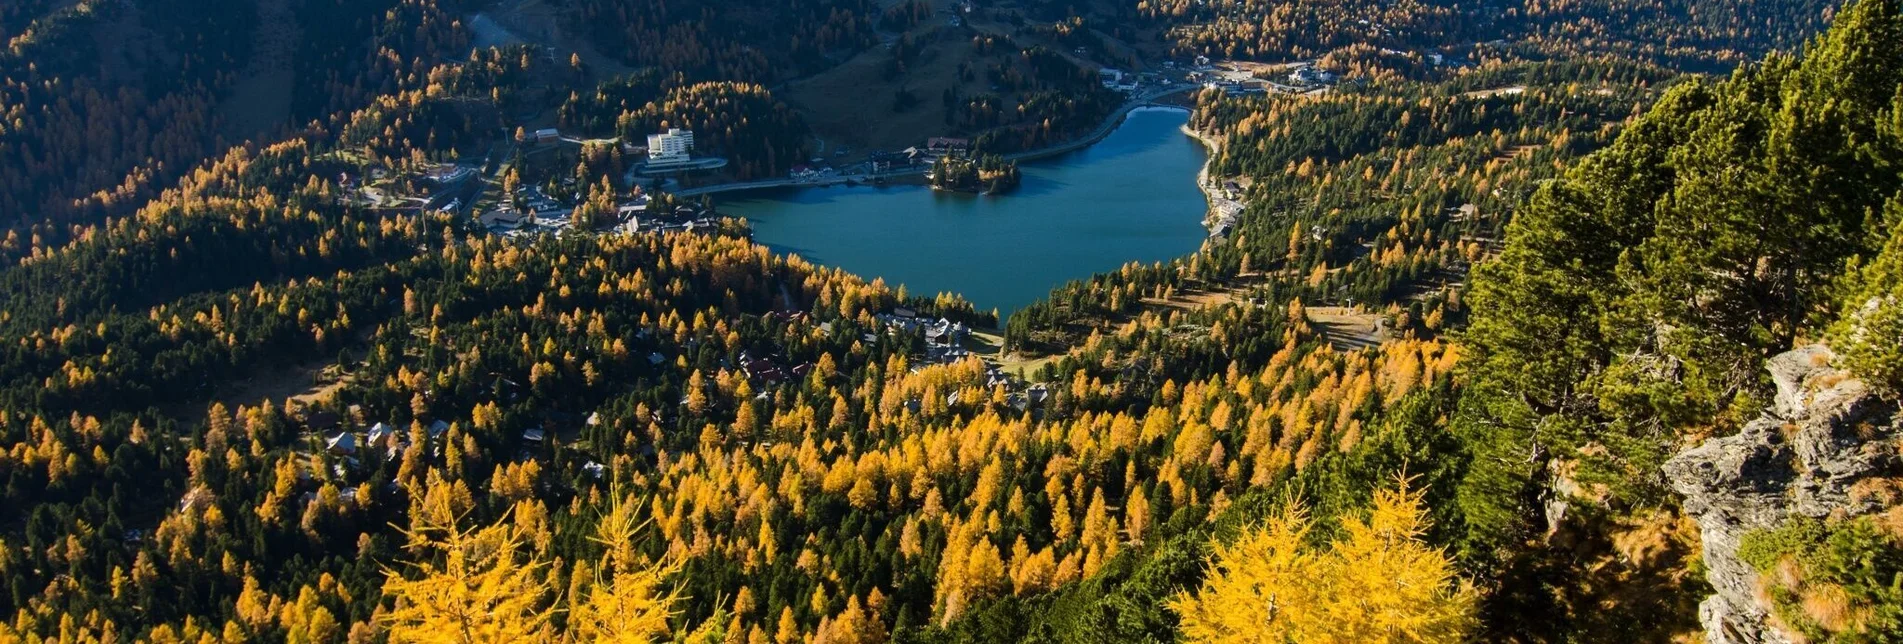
x=1804, y=458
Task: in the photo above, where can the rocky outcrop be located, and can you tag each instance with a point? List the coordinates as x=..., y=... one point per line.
x=1824, y=435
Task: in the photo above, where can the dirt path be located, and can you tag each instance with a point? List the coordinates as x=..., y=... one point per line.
x=303, y=383
x=1348, y=329
x=989, y=345
x=298, y=383
x=1194, y=300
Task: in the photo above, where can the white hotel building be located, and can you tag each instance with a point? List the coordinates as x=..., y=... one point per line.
x=670, y=147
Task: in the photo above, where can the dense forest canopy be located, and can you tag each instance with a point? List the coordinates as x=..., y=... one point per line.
x=1639, y=294
x=246, y=394
x=1698, y=33
x=746, y=40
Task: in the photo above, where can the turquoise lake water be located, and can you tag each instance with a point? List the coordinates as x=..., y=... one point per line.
x=1130, y=197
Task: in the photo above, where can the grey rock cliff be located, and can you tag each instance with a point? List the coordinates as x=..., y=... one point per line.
x=1825, y=433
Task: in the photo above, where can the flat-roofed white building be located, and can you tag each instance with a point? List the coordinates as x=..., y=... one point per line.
x=672, y=146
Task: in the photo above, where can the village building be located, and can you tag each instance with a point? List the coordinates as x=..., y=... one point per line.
x=380, y=433
x=672, y=147
x=1311, y=75
x=947, y=145
x=342, y=444
x=501, y=219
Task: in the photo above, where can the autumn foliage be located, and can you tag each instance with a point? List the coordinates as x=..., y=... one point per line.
x=1377, y=582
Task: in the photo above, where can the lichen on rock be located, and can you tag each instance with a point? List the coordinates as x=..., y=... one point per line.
x=1826, y=440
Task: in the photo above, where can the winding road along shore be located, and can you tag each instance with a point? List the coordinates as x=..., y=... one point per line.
x=1223, y=210
x=1110, y=124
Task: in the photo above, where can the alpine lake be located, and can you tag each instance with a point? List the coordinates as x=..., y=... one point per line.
x=1129, y=197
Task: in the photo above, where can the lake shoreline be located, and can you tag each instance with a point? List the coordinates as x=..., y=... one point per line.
x=1223, y=211
x=1109, y=125
x=1131, y=197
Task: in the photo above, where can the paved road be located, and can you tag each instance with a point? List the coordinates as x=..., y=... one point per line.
x=1109, y=125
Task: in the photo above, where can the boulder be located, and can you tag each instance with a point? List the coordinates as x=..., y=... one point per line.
x=1825, y=433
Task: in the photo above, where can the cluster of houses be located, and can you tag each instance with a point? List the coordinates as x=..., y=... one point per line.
x=883, y=161
x=880, y=161
x=1301, y=77
x=1239, y=81
x=538, y=212
x=938, y=333
x=1311, y=75
x=935, y=148
x=351, y=447
x=356, y=189
x=1130, y=83
x=944, y=341
x=541, y=213
x=767, y=371
x=943, y=145
x=443, y=187
x=1238, y=88
x=1118, y=80
x=1225, y=206
x=635, y=216
x=378, y=436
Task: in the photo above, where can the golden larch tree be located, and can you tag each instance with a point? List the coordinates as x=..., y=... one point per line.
x=473, y=586
x=633, y=603
x=1378, y=583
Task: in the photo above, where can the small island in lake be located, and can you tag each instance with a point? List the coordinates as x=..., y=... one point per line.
x=989, y=174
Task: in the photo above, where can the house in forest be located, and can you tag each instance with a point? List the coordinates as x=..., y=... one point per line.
x=947, y=145
x=945, y=333
x=762, y=369
x=343, y=444
x=1311, y=75
x=379, y=434
x=500, y=220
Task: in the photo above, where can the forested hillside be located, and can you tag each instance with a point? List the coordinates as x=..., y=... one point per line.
x=1639, y=296
x=105, y=103
x=1696, y=33
x=1424, y=386
x=746, y=40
